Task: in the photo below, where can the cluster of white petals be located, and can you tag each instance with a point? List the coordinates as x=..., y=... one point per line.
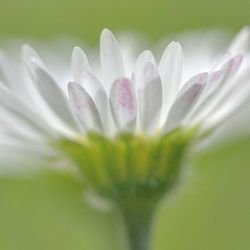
x=152, y=99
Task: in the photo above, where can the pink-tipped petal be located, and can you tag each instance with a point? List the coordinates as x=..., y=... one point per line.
x=85, y=106
x=232, y=98
x=219, y=89
x=197, y=79
x=123, y=104
x=213, y=81
x=96, y=91
x=185, y=101
x=219, y=83
x=232, y=66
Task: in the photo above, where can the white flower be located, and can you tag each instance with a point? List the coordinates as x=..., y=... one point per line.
x=151, y=100
x=126, y=131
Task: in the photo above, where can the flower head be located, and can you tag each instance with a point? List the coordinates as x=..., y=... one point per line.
x=123, y=129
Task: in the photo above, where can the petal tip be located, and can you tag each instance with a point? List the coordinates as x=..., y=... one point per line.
x=106, y=33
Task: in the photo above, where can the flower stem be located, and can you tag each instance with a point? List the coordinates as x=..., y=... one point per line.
x=137, y=219
x=138, y=229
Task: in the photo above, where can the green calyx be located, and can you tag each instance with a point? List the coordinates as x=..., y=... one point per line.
x=129, y=164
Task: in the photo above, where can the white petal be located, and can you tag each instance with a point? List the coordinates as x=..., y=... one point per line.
x=149, y=94
x=145, y=57
x=232, y=65
x=140, y=74
x=227, y=110
x=231, y=99
x=216, y=90
x=79, y=62
x=214, y=80
x=19, y=127
x=92, y=85
x=98, y=94
x=53, y=97
x=221, y=61
x=241, y=42
x=6, y=70
x=17, y=108
x=85, y=106
x=185, y=101
x=229, y=71
x=26, y=148
x=29, y=54
x=170, y=69
x=111, y=59
x=123, y=104
x=239, y=45
x=11, y=75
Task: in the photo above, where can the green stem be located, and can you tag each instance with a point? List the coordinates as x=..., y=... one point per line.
x=138, y=229
x=137, y=217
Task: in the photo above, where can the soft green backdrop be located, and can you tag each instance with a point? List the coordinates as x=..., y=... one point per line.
x=47, y=212
x=86, y=18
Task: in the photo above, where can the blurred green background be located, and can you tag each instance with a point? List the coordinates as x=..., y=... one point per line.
x=86, y=18
x=47, y=211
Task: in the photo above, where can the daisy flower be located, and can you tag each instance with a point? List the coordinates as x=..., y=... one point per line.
x=126, y=131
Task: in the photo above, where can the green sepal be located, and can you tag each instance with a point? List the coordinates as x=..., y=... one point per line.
x=129, y=163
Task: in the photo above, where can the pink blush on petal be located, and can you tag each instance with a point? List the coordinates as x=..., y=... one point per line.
x=124, y=95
